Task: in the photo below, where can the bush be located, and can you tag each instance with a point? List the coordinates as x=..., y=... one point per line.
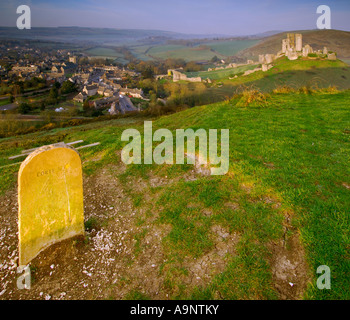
x=253, y=96
x=24, y=108
x=306, y=90
x=283, y=89
x=330, y=90
x=68, y=87
x=75, y=122
x=49, y=126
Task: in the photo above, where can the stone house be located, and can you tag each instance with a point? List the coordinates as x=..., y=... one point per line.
x=80, y=97
x=108, y=93
x=135, y=93
x=101, y=90
x=90, y=90
x=104, y=102
x=123, y=105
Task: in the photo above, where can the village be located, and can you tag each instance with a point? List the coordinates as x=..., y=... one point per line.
x=98, y=86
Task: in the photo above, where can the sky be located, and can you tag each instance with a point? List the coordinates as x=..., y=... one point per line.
x=229, y=17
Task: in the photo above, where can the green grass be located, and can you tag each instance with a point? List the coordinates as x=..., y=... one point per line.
x=187, y=53
x=232, y=47
x=104, y=52
x=165, y=48
x=295, y=74
x=295, y=149
x=206, y=51
x=307, y=140
x=140, y=52
x=4, y=101
x=220, y=74
x=136, y=295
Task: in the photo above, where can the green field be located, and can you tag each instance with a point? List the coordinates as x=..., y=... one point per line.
x=102, y=52
x=140, y=52
x=187, y=53
x=4, y=101
x=204, y=51
x=154, y=50
x=220, y=74
x=231, y=47
x=286, y=196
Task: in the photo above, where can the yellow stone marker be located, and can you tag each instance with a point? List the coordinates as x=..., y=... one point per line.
x=50, y=199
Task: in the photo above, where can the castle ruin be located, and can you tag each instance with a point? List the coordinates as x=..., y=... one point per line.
x=178, y=75
x=292, y=46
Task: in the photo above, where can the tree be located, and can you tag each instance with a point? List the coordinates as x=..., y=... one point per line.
x=53, y=93
x=24, y=108
x=17, y=89
x=42, y=106
x=68, y=87
x=192, y=67
x=214, y=59
x=147, y=73
x=56, y=85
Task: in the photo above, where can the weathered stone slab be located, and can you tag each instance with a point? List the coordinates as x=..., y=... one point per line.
x=50, y=199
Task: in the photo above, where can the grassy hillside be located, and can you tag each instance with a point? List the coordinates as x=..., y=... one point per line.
x=200, y=50
x=312, y=73
x=197, y=53
x=230, y=47
x=316, y=73
x=103, y=52
x=220, y=74
x=335, y=40
x=281, y=211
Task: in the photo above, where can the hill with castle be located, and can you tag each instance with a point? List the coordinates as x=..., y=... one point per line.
x=335, y=40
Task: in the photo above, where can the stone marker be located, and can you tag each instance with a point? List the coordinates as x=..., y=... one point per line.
x=50, y=199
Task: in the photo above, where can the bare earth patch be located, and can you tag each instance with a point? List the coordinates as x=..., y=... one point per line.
x=289, y=268
x=119, y=254
x=103, y=264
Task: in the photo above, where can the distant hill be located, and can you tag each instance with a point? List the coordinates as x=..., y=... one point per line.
x=334, y=40
x=106, y=36
x=265, y=34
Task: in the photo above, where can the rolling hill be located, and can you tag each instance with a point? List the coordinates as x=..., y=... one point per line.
x=335, y=40
x=258, y=232
x=105, y=36
x=318, y=73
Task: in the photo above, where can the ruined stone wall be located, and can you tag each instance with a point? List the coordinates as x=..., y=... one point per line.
x=298, y=42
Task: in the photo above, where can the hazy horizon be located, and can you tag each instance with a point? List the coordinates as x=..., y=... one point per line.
x=189, y=17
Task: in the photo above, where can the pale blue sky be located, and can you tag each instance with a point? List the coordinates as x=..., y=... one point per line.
x=187, y=16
